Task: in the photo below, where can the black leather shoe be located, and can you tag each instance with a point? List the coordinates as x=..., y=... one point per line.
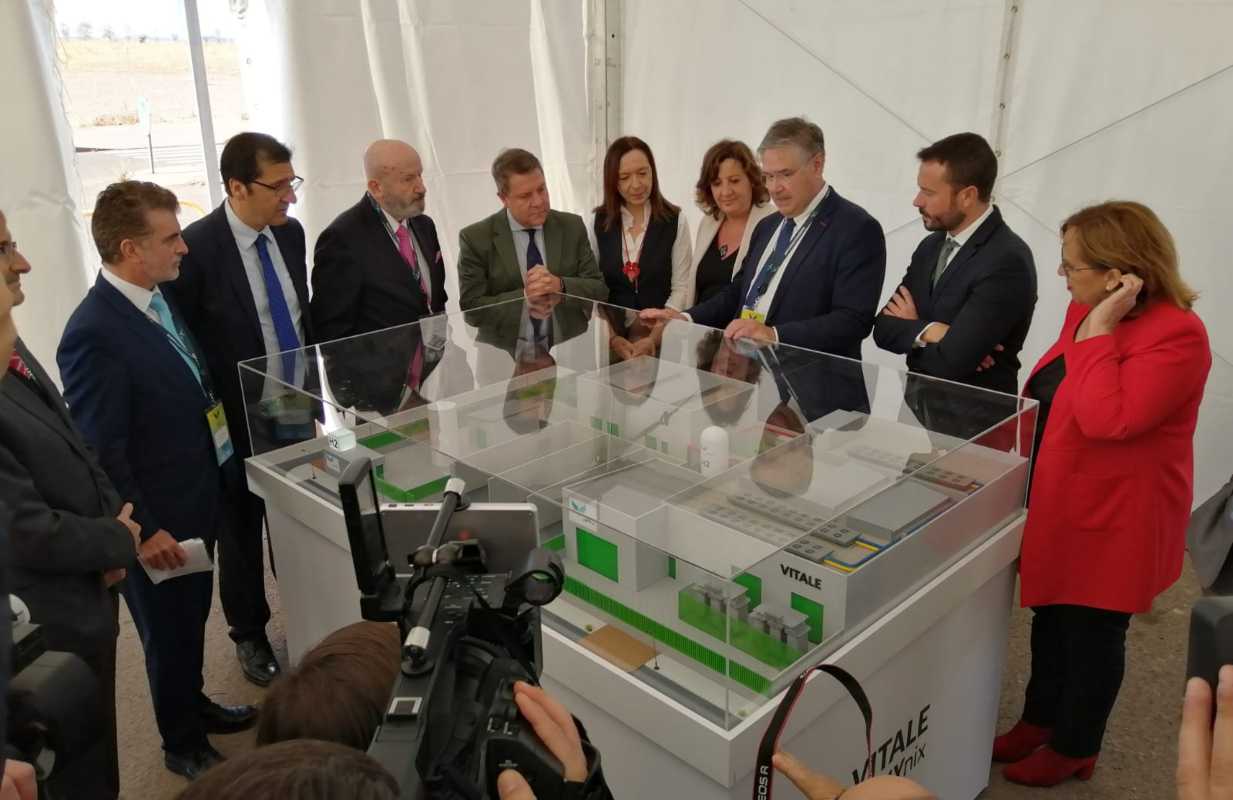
x=257, y=660
x=193, y=763
x=217, y=718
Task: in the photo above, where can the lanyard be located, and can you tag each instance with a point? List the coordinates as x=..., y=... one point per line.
x=389, y=231
x=762, y=281
x=190, y=353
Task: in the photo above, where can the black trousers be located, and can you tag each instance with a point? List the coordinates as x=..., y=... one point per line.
x=171, y=619
x=1078, y=659
x=241, y=570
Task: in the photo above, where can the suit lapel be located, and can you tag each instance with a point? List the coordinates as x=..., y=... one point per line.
x=157, y=344
x=969, y=249
x=53, y=415
x=503, y=243
x=554, y=242
x=232, y=267
x=801, y=255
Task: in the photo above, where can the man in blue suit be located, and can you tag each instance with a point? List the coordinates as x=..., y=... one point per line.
x=139, y=390
x=814, y=271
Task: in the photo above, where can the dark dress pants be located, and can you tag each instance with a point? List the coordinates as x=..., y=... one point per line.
x=1078, y=659
x=241, y=570
x=171, y=619
x=95, y=774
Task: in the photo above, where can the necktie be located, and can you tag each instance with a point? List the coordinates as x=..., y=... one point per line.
x=280, y=313
x=948, y=247
x=159, y=304
x=782, y=242
x=533, y=256
x=534, y=259
x=407, y=251
x=18, y=366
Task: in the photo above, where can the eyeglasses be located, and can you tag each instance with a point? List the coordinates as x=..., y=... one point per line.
x=1064, y=268
x=8, y=249
x=782, y=175
x=292, y=185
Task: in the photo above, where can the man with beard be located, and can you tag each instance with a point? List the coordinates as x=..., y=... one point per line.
x=379, y=263
x=963, y=309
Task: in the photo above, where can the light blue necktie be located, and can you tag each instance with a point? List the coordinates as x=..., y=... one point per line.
x=159, y=304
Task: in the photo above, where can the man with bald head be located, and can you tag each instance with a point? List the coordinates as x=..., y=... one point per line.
x=379, y=263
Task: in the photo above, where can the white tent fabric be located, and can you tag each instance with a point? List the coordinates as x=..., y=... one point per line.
x=460, y=81
x=40, y=193
x=1103, y=99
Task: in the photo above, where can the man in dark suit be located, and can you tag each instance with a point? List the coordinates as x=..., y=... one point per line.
x=526, y=249
x=379, y=264
x=71, y=537
x=814, y=270
x=243, y=291
x=964, y=307
x=141, y=393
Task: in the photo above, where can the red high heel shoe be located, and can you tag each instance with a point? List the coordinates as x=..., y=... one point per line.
x=1047, y=767
x=1020, y=742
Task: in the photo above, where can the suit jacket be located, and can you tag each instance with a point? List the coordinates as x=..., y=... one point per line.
x=987, y=295
x=488, y=268
x=829, y=291
x=708, y=229
x=361, y=283
x=142, y=410
x=217, y=305
x=1114, y=476
x=64, y=532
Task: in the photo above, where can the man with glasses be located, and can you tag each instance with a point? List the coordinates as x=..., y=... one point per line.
x=243, y=290
x=814, y=270
x=71, y=536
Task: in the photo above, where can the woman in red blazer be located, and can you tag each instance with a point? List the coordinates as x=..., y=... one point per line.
x=1112, y=482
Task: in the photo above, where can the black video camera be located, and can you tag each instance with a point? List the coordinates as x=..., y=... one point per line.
x=469, y=634
x=55, y=713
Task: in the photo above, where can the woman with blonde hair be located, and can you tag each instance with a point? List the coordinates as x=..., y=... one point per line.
x=1112, y=483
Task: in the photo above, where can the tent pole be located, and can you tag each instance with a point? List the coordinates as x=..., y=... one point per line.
x=204, y=116
x=1005, y=76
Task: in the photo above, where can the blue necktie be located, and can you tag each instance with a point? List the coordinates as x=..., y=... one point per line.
x=280, y=313
x=782, y=242
x=159, y=304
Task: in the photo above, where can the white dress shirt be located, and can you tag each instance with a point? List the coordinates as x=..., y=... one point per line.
x=137, y=295
x=246, y=241
x=682, y=251
x=415, y=244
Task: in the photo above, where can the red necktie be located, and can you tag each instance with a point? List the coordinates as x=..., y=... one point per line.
x=16, y=364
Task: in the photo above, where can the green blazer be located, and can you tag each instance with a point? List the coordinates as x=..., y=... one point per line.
x=488, y=268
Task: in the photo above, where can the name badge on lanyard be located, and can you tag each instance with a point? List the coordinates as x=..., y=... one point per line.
x=761, y=283
x=220, y=433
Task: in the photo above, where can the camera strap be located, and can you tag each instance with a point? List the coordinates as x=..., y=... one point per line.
x=764, y=777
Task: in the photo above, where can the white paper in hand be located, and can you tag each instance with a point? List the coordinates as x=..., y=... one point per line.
x=198, y=561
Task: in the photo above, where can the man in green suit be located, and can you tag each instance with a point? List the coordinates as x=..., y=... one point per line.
x=526, y=249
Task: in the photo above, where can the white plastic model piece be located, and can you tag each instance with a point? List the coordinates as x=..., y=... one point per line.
x=714, y=451
x=342, y=439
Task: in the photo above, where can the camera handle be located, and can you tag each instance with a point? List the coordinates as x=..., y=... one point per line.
x=416, y=645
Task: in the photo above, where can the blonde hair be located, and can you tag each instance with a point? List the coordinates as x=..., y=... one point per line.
x=1128, y=236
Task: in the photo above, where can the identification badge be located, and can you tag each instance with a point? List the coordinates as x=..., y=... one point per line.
x=749, y=313
x=220, y=433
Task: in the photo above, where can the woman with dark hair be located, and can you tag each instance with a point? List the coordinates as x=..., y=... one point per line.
x=640, y=239
x=732, y=195
x=1113, y=479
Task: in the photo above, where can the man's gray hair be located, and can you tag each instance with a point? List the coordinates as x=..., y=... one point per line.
x=794, y=130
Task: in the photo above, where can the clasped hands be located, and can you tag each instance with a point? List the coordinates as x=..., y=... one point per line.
x=160, y=551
